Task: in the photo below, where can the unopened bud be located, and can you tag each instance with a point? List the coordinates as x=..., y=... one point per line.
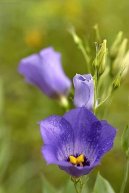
x=116, y=44
x=100, y=60
x=117, y=82
x=125, y=64
x=119, y=58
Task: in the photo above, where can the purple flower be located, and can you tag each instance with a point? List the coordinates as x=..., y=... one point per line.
x=76, y=141
x=44, y=70
x=84, y=91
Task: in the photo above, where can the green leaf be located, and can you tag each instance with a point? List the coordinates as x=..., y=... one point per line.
x=69, y=187
x=102, y=185
x=125, y=140
x=1, y=96
x=47, y=187
x=1, y=190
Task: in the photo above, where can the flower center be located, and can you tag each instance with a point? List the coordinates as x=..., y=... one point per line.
x=80, y=160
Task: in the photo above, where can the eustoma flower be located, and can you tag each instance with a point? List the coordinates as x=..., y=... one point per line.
x=76, y=141
x=84, y=91
x=45, y=71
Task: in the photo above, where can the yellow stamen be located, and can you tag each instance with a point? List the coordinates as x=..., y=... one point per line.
x=80, y=158
x=77, y=160
x=73, y=159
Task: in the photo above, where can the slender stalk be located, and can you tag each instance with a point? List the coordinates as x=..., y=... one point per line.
x=102, y=102
x=78, y=184
x=125, y=176
x=75, y=186
x=86, y=57
x=79, y=43
x=95, y=90
x=97, y=33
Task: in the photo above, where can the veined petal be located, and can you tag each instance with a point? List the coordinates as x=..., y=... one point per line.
x=87, y=130
x=49, y=153
x=92, y=137
x=56, y=131
x=106, y=140
x=77, y=133
x=80, y=116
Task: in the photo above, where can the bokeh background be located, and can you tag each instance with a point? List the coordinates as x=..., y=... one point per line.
x=26, y=27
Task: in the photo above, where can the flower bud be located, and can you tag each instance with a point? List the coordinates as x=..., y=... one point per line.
x=116, y=44
x=117, y=82
x=120, y=56
x=125, y=64
x=100, y=60
x=84, y=91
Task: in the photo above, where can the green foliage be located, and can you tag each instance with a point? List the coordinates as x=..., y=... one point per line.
x=125, y=140
x=47, y=187
x=1, y=97
x=69, y=187
x=102, y=185
x=82, y=48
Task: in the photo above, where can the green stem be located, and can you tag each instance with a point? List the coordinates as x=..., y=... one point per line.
x=97, y=33
x=76, y=189
x=95, y=90
x=78, y=184
x=125, y=177
x=102, y=102
x=79, y=43
x=86, y=57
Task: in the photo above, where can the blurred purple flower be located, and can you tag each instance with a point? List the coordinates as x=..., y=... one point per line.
x=84, y=91
x=77, y=141
x=44, y=70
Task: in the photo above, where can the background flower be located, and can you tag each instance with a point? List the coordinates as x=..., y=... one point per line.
x=77, y=141
x=45, y=71
x=84, y=91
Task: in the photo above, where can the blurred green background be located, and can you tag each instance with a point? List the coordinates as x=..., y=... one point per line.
x=26, y=27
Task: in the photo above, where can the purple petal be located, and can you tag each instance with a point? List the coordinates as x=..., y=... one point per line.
x=84, y=91
x=78, y=171
x=77, y=132
x=49, y=153
x=75, y=171
x=91, y=137
x=79, y=116
x=106, y=139
x=57, y=132
x=86, y=129
x=44, y=70
x=29, y=67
